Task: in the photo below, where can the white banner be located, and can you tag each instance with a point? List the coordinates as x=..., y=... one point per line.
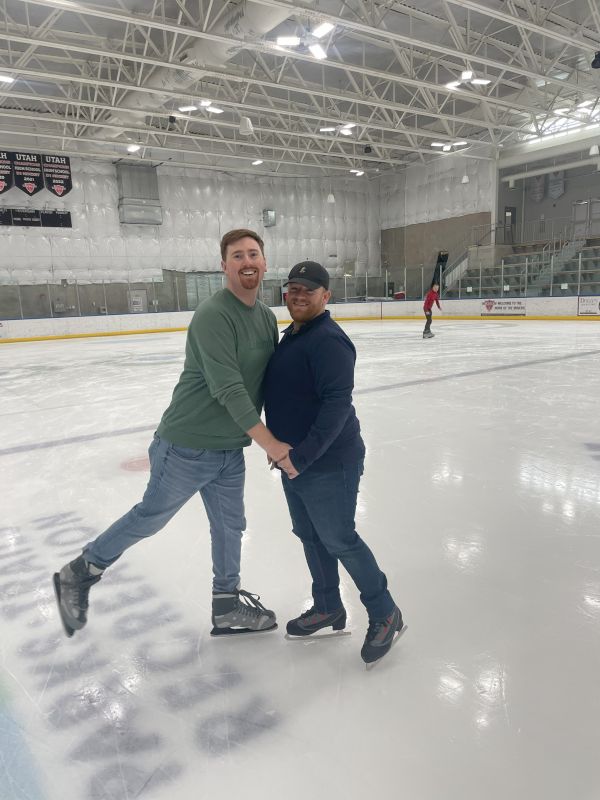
x=503, y=308
x=589, y=306
x=537, y=187
x=556, y=184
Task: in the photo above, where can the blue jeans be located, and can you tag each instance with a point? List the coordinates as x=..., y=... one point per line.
x=176, y=474
x=322, y=507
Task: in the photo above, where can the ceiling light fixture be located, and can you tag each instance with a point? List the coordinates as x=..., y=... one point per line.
x=326, y=130
x=331, y=197
x=183, y=109
x=214, y=110
x=349, y=125
x=205, y=103
x=459, y=144
x=317, y=51
x=446, y=148
x=359, y=173
x=595, y=150
x=6, y=79
x=346, y=131
x=438, y=144
x=354, y=171
x=133, y=148
x=323, y=29
x=464, y=179
x=257, y=162
x=246, y=127
x=480, y=81
x=511, y=183
x=453, y=85
x=585, y=104
x=288, y=41
x=466, y=75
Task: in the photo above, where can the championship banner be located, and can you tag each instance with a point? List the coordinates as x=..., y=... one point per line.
x=28, y=172
x=503, y=308
x=537, y=186
x=57, y=174
x=6, y=172
x=556, y=184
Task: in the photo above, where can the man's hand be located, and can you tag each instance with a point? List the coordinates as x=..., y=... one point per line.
x=286, y=465
x=277, y=450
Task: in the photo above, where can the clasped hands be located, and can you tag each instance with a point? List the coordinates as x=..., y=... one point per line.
x=279, y=457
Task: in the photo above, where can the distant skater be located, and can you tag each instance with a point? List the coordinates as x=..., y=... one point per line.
x=431, y=297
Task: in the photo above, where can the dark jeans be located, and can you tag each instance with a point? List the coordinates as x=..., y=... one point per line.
x=428, y=315
x=322, y=507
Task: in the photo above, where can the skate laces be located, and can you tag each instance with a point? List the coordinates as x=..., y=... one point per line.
x=78, y=592
x=249, y=604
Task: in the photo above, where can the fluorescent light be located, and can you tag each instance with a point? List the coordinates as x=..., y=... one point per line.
x=317, y=51
x=480, y=81
x=290, y=41
x=453, y=85
x=346, y=131
x=326, y=130
x=595, y=150
x=355, y=171
x=560, y=110
x=214, y=110
x=322, y=29
x=133, y=148
x=349, y=125
x=438, y=144
x=205, y=103
x=6, y=79
x=359, y=173
x=465, y=179
x=446, y=148
x=458, y=144
x=466, y=75
x=183, y=109
x=585, y=104
x=257, y=162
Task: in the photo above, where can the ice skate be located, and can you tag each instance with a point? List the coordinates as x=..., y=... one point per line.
x=72, y=588
x=312, y=621
x=381, y=637
x=428, y=335
x=239, y=612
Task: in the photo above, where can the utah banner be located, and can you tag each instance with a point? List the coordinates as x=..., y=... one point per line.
x=7, y=178
x=28, y=172
x=57, y=174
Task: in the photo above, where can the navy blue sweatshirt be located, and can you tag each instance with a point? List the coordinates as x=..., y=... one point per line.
x=308, y=395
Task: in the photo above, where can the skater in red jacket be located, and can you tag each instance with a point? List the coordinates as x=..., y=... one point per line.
x=431, y=297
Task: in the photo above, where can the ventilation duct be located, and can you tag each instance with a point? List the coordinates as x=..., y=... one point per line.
x=249, y=21
x=139, y=203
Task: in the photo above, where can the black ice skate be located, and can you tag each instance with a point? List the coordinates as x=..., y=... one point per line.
x=381, y=636
x=240, y=612
x=311, y=621
x=72, y=588
x=428, y=335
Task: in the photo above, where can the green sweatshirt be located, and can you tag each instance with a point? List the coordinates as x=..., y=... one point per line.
x=219, y=393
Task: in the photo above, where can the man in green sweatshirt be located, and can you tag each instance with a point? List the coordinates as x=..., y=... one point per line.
x=214, y=413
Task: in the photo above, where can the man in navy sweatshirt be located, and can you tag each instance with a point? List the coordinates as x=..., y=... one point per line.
x=308, y=403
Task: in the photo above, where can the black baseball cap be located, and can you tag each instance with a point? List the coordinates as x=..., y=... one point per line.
x=309, y=274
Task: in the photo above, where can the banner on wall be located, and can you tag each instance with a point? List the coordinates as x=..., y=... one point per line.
x=556, y=184
x=57, y=174
x=503, y=308
x=6, y=172
x=28, y=172
x=537, y=186
x=589, y=306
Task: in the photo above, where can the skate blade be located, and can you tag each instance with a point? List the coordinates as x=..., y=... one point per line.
x=67, y=628
x=224, y=632
x=314, y=637
x=373, y=664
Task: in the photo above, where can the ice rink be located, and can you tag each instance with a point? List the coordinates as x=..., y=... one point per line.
x=481, y=501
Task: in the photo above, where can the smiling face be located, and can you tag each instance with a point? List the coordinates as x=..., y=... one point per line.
x=305, y=304
x=244, y=266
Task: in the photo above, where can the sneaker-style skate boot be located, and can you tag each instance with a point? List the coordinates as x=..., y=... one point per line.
x=240, y=612
x=381, y=636
x=311, y=621
x=72, y=588
x=428, y=335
